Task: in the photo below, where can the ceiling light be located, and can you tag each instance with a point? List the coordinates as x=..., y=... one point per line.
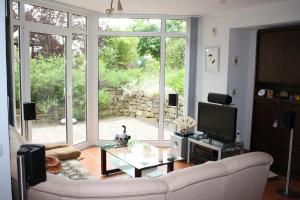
x=110, y=10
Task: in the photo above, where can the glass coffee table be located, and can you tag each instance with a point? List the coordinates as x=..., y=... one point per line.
x=134, y=158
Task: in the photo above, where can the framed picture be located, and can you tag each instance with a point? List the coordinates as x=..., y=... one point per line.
x=212, y=59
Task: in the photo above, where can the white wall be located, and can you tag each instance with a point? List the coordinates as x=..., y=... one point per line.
x=242, y=46
x=275, y=14
x=5, y=183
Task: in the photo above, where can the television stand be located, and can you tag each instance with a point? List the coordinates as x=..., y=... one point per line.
x=223, y=149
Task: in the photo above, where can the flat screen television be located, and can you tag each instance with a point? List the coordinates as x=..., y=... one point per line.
x=217, y=121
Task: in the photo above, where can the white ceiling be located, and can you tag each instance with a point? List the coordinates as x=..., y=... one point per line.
x=170, y=7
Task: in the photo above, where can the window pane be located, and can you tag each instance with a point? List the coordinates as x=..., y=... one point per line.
x=128, y=95
x=47, y=82
x=131, y=25
x=45, y=15
x=17, y=79
x=174, y=81
x=15, y=10
x=79, y=22
x=176, y=25
x=79, y=88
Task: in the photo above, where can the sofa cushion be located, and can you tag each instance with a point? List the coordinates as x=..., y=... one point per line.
x=65, y=153
x=55, y=146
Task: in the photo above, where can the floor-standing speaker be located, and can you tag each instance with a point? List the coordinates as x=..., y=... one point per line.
x=35, y=164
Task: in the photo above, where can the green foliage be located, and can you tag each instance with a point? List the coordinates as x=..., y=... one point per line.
x=47, y=80
x=17, y=76
x=175, y=53
x=149, y=45
x=119, y=52
x=175, y=80
x=104, y=99
x=176, y=25
x=79, y=86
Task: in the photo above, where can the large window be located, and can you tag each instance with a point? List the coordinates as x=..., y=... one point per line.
x=47, y=85
x=54, y=73
x=17, y=77
x=139, y=60
x=131, y=71
x=79, y=88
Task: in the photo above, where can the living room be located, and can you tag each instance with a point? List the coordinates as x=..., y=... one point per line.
x=130, y=57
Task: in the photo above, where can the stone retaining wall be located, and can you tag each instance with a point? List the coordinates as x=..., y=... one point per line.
x=140, y=105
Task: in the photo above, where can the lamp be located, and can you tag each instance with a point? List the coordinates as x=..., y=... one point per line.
x=110, y=10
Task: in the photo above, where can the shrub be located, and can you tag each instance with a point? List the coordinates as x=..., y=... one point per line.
x=175, y=80
x=104, y=99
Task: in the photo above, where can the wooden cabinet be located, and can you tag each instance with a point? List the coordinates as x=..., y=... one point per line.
x=275, y=141
x=277, y=68
x=279, y=57
x=293, y=58
x=270, y=57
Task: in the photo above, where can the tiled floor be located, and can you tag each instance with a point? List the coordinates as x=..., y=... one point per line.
x=92, y=162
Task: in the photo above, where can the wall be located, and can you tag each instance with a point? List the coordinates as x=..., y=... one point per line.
x=251, y=19
x=241, y=75
x=5, y=183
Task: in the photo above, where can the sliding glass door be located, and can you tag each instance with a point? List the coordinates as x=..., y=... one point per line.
x=47, y=86
x=129, y=74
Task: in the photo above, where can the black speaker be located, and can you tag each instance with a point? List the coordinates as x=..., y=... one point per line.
x=35, y=164
x=219, y=98
x=173, y=99
x=29, y=111
x=287, y=119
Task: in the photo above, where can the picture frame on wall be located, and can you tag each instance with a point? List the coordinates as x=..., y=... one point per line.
x=212, y=59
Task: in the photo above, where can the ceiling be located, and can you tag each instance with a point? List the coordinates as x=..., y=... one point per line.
x=171, y=7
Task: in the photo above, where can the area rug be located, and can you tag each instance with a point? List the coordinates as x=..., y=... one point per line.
x=72, y=169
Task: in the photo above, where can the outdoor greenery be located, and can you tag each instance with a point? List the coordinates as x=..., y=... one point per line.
x=124, y=62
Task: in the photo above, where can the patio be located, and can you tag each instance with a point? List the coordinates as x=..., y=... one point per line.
x=137, y=128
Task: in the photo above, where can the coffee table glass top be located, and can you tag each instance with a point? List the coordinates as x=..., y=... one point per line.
x=139, y=154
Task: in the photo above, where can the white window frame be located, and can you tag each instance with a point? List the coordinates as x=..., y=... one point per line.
x=92, y=33
x=163, y=34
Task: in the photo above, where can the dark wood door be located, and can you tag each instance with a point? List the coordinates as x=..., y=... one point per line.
x=264, y=115
x=293, y=58
x=270, y=57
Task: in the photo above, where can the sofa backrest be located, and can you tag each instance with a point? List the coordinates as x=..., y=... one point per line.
x=235, y=178
x=59, y=188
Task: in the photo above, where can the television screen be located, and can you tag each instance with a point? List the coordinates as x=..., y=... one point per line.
x=218, y=121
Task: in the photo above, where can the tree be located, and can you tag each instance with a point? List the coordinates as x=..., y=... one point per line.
x=175, y=53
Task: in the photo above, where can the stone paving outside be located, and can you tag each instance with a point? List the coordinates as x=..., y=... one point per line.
x=137, y=128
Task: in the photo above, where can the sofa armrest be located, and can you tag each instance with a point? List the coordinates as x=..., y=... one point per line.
x=93, y=188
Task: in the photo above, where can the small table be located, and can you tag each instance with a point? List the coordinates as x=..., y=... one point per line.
x=219, y=146
x=134, y=157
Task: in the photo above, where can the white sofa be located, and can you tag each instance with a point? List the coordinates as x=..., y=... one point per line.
x=237, y=178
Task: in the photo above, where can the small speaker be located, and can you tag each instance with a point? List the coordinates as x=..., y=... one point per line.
x=173, y=99
x=35, y=164
x=287, y=119
x=29, y=111
x=219, y=98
